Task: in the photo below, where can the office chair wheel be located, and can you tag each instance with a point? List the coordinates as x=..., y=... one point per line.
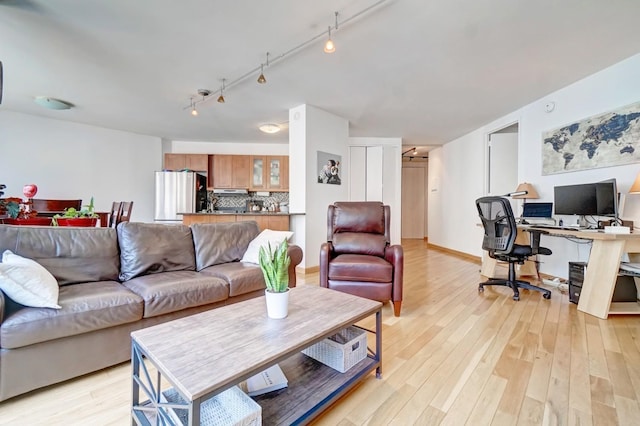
x=516, y=297
x=546, y=295
x=480, y=288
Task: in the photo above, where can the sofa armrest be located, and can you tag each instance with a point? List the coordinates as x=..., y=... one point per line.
x=295, y=253
x=326, y=250
x=3, y=306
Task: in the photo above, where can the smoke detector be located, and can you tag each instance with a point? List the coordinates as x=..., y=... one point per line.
x=204, y=92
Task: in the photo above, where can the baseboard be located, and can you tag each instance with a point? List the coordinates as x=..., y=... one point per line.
x=311, y=270
x=456, y=253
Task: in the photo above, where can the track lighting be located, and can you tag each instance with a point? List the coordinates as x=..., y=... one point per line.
x=329, y=47
x=194, y=111
x=261, y=78
x=221, y=97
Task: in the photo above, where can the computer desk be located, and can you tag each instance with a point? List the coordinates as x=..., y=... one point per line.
x=602, y=269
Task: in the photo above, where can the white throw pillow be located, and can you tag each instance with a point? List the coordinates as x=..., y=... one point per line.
x=27, y=282
x=267, y=236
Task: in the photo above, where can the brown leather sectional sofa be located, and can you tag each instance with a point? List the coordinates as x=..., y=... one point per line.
x=112, y=283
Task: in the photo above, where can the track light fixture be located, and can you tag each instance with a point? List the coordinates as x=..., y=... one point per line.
x=329, y=47
x=221, y=97
x=194, y=111
x=261, y=78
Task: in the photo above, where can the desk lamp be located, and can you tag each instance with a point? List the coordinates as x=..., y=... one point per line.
x=525, y=191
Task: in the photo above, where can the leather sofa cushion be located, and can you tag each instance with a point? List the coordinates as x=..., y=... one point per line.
x=358, y=267
x=71, y=255
x=217, y=243
x=242, y=277
x=359, y=243
x=85, y=307
x=175, y=291
x=150, y=248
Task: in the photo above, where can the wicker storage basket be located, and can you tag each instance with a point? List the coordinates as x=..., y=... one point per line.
x=342, y=350
x=231, y=407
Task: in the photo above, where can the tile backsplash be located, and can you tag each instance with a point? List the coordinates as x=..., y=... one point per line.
x=240, y=201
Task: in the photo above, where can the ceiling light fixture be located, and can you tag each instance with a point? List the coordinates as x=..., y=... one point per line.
x=261, y=78
x=52, y=103
x=194, y=111
x=270, y=128
x=221, y=97
x=289, y=52
x=329, y=47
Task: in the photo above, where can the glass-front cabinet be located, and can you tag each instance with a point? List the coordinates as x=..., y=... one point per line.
x=257, y=174
x=269, y=172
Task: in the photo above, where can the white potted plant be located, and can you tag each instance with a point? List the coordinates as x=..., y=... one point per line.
x=275, y=268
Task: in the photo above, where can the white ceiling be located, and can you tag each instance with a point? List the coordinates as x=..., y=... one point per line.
x=424, y=70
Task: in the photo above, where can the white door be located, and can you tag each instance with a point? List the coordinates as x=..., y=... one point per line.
x=503, y=163
x=413, y=202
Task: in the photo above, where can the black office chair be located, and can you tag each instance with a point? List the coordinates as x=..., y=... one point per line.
x=500, y=232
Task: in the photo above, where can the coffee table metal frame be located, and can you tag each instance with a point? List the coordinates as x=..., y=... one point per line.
x=320, y=385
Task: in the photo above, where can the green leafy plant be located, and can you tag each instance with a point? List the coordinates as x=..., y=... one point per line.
x=275, y=266
x=71, y=212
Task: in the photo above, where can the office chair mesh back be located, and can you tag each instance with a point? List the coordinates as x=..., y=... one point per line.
x=499, y=224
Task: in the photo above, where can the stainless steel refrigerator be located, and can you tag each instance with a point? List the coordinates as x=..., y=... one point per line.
x=179, y=192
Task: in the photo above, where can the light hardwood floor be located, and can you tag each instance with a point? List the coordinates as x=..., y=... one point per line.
x=454, y=357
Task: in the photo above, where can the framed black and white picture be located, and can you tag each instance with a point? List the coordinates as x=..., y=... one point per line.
x=329, y=168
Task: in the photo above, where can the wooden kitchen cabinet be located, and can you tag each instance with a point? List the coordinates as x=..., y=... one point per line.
x=269, y=172
x=231, y=171
x=196, y=162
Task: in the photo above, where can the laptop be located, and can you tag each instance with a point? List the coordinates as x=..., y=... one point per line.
x=537, y=210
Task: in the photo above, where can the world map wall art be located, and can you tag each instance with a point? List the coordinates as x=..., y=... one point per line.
x=609, y=139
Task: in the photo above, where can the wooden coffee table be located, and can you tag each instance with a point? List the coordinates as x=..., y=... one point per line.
x=207, y=353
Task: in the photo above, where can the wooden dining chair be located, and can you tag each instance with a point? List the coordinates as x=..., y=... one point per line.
x=114, y=214
x=46, y=207
x=125, y=211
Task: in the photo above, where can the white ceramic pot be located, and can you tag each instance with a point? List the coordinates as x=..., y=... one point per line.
x=277, y=304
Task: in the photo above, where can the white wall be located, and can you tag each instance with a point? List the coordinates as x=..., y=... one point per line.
x=456, y=172
x=310, y=130
x=69, y=160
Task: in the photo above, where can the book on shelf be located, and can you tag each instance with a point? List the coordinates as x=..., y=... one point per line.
x=269, y=380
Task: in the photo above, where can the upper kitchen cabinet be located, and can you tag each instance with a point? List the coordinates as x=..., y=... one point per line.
x=196, y=162
x=270, y=173
x=230, y=171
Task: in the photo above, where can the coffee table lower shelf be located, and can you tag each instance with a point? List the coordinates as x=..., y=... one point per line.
x=312, y=387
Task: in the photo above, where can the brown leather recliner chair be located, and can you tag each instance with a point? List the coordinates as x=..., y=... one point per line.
x=357, y=257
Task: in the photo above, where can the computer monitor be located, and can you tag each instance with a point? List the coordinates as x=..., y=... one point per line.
x=607, y=198
x=537, y=210
x=578, y=200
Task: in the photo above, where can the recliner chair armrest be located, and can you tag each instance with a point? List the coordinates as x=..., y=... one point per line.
x=326, y=250
x=395, y=255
